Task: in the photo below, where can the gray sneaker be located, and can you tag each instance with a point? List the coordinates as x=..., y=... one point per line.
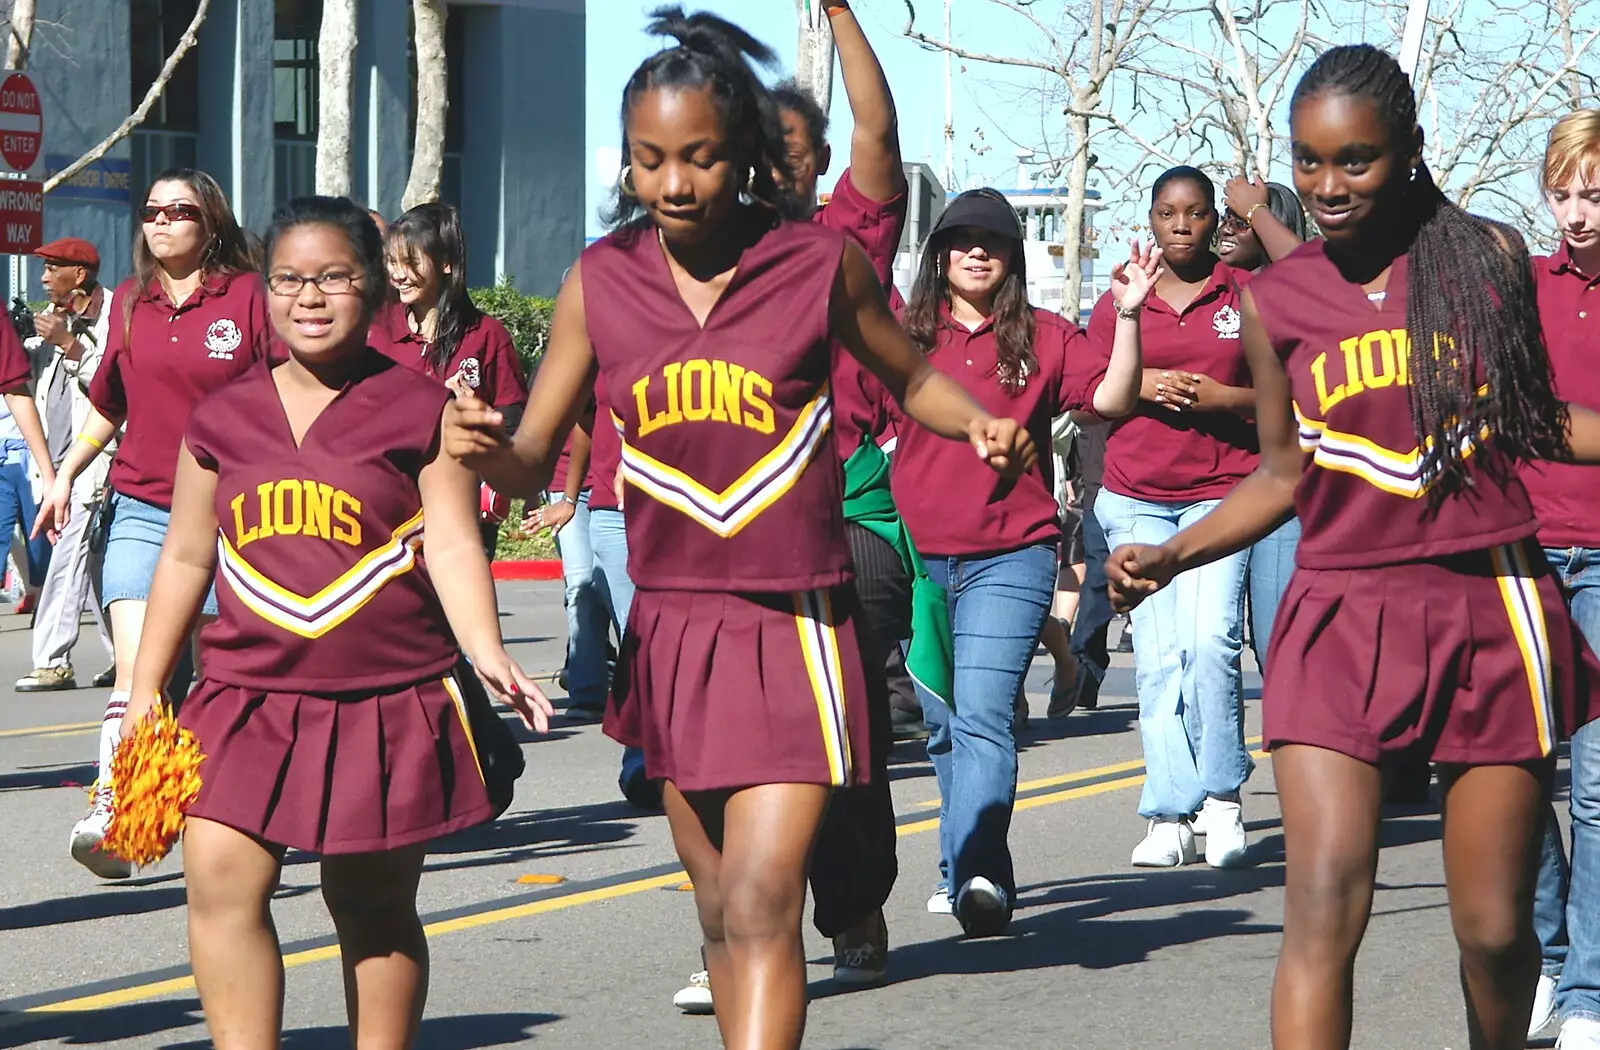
x=47, y=679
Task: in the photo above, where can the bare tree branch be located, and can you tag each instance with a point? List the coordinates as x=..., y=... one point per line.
x=20, y=38
x=427, y=148
x=185, y=42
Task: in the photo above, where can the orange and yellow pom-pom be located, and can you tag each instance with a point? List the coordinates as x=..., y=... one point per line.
x=155, y=776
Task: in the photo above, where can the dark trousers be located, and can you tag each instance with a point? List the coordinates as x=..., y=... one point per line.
x=853, y=866
x=1094, y=607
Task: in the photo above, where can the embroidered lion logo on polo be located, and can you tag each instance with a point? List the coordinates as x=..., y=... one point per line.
x=470, y=373
x=223, y=339
x=1227, y=323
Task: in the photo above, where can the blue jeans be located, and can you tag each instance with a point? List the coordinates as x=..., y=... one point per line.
x=17, y=510
x=1088, y=641
x=1187, y=640
x=586, y=617
x=608, y=538
x=997, y=608
x=1271, y=564
x=1566, y=907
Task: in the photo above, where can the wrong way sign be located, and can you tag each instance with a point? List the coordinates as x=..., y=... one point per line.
x=21, y=122
x=21, y=216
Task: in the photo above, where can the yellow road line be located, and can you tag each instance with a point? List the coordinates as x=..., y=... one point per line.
x=62, y=729
x=139, y=993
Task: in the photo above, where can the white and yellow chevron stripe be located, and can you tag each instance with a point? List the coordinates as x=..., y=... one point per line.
x=1399, y=473
x=730, y=510
x=1520, y=591
x=315, y=616
x=819, y=641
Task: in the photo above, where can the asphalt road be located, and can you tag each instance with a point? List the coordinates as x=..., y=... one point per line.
x=565, y=923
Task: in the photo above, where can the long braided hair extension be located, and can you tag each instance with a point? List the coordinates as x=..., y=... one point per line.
x=1471, y=311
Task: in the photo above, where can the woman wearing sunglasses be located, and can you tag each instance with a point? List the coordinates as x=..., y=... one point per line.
x=191, y=318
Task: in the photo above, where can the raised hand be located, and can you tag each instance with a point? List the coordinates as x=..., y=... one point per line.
x=1242, y=193
x=1133, y=281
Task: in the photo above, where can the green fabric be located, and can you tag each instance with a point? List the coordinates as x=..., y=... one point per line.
x=930, y=658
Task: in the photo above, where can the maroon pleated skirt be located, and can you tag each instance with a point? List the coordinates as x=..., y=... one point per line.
x=345, y=773
x=728, y=690
x=1471, y=659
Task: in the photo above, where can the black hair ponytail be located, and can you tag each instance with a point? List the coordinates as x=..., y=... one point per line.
x=716, y=54
x=1471, y=310
x=433, y=230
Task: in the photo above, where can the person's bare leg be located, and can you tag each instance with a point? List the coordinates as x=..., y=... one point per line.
x=768, y=832
x=696, y=822
x=1330, y=838
x=1493, y=822
x=233, y=945
x=372, y=898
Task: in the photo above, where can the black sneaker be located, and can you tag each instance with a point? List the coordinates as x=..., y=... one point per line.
x=982, y=908
x=861, y=955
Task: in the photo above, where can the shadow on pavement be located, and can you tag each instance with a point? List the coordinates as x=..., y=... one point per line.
x=96, y=1027
x=32, y=778
x=466, y=1032
x=90, y=906
x=539, y=834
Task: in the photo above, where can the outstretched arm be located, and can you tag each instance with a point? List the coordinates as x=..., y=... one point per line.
x=475, y=433
x=875, y=165
x=864, y=326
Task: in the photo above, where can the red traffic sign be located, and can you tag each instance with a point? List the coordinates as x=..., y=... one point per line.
x=21, y=122
x=21, y=216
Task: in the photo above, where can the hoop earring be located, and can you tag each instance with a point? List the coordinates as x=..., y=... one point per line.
x=624, y=185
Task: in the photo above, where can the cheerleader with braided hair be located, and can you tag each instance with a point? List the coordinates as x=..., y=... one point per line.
x=1401, y=376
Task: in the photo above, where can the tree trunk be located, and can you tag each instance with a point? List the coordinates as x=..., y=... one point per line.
x=427, y=148
x=136, y=118
x=21, y=34
x=814, y=65
x=336, y=55
x=1072, y=222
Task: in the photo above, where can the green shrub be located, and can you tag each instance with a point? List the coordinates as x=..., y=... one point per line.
x=526, y=317
x=517, y=545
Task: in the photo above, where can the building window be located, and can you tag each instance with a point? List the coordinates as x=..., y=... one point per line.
x=168, y=137
x=294, y=97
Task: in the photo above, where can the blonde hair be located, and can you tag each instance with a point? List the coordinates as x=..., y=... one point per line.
x=1574, y=148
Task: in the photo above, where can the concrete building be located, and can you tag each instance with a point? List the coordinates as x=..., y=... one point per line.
x=243, y=106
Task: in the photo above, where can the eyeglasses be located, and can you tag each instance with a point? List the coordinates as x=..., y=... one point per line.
x=1231, y=223
x=289, y=285
x=173, y=212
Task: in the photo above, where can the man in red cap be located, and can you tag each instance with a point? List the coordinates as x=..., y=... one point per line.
x=71, y=338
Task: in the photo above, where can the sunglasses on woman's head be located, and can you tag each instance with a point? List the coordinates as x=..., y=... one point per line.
x=173, y=212
x=1232, y=223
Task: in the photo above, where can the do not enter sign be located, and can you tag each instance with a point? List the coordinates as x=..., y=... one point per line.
x=21, y=122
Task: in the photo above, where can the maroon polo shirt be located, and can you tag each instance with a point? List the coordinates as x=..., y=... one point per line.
x=1566, y=499
x=486, y=357
x=15, y=371
x=1162, y=456
x=858, y=397
x=156, y=369
x=951, y=501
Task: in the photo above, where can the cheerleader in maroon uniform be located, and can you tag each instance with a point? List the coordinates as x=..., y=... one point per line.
x=711, y=322
x=332, y=709
x=1400, y=373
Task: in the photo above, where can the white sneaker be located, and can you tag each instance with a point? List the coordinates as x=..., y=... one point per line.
x=1167, y=844
x=88, y=833
x=1197, y=823
x=982, y=908
x=1579, y=1033
x=1226, y=845
x=695, y=998
x=940, y=904
x=1544, y=1005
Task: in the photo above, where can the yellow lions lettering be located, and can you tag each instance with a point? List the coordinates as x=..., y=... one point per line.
x=1366, y=362
x=698, y=390
x=294, y=507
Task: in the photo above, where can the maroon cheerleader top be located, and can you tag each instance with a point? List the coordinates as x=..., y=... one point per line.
x=321, y=586
x=727, y=442
x=1360, y=499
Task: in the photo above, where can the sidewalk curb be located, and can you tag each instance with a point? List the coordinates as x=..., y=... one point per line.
x=540, y=569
